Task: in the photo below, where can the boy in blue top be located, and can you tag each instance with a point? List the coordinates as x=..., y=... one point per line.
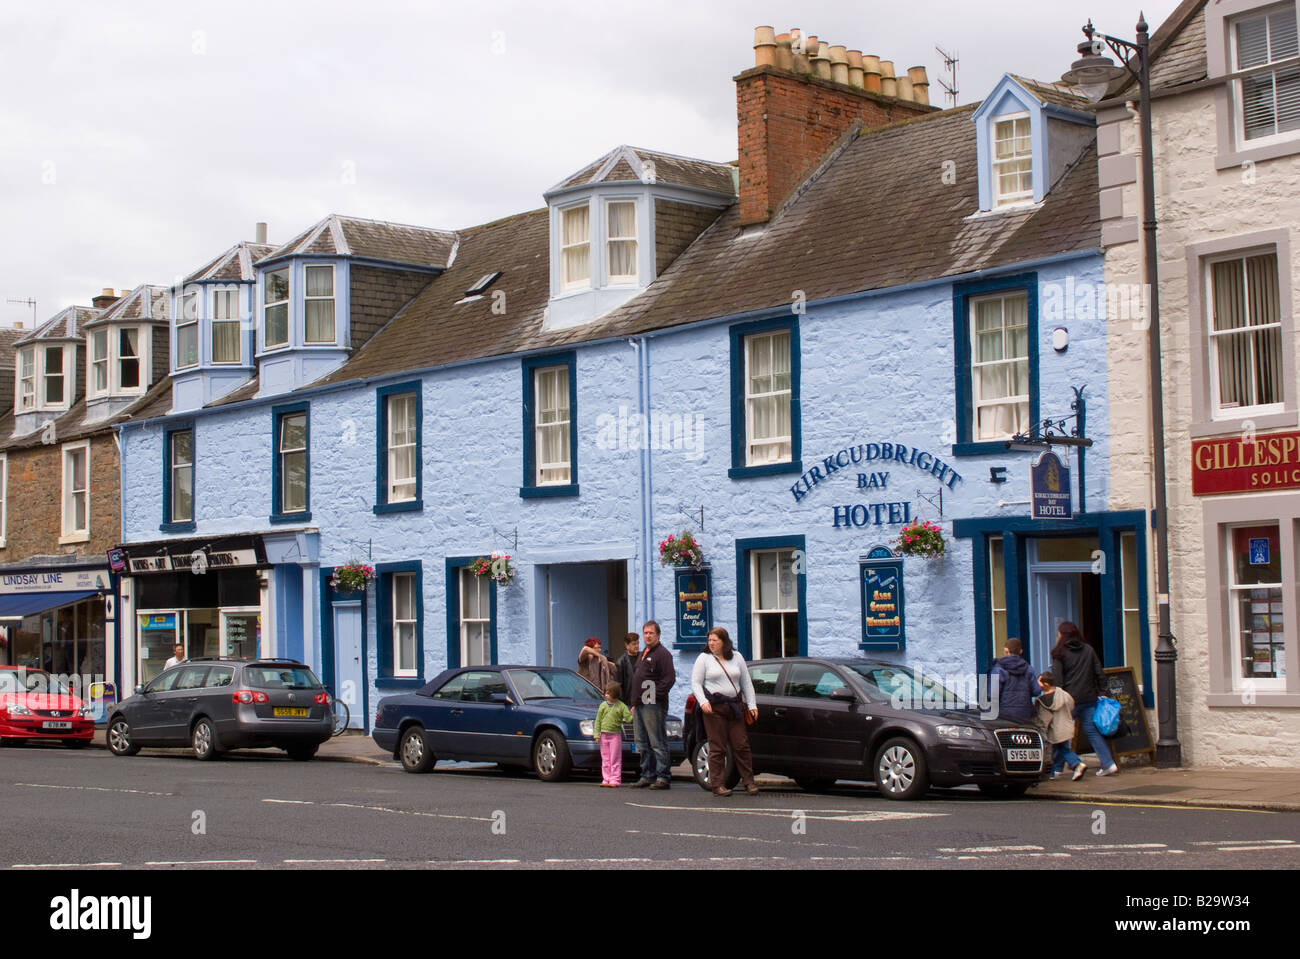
x=610, y=717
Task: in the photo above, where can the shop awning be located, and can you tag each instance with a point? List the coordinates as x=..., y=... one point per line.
x=18, y=605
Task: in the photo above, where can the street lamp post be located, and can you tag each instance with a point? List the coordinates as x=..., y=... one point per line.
x=1093, y=73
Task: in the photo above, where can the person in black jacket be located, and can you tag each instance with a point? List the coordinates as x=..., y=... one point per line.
x=651, y=683
x=1016, y=686
x=625, y=668
x=1080, y=673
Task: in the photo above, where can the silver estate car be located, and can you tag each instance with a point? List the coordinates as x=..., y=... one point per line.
x=213, y=705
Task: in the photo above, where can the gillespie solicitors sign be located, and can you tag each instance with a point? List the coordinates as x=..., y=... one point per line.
x=1239, y=465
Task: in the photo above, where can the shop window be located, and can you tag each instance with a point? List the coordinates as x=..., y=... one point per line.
x=772, y=617
x=550, y=426
x=471, y=615
x=76, y=491
x=1256, y=619
x=398, y=454
x=290, y=464
x=178, y=480
x=765, y=420
x=995, y=329
x=400, y=613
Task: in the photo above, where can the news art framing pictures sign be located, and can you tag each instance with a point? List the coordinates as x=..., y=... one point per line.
x=693, y=592
x=1049, y=488
x=55, y=581
x=1246, y=464
x=193, y=561
x=880, y=576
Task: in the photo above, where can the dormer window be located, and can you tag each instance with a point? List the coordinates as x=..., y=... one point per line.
x=114, y=361
x=275, y=330
x=53, y=375
x=319, y=304
x=128, y=358
x=27, y=380
x=621, y=239
x=187, y=330
x=225, y=326
x=575, y=250
x=1013, y=160
x=98, y=362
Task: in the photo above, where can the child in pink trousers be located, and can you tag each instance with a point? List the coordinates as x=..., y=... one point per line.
x=610, y=717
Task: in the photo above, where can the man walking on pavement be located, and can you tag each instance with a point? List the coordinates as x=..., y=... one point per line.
x=651, y=683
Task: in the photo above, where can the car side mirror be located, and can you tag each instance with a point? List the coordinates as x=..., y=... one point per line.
x=844, y=695
x=139, y=690
x=501, y=698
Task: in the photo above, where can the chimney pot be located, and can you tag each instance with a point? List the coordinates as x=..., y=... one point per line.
x=799, y=51
x=871, y=73
x=905, y=91
x=260, y=232
x=888, y=82
x=920, y=85
x=839, y=64
x=822, y=61
x=784, y=57
x=764, y=47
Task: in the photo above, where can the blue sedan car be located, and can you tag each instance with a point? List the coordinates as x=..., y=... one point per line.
x=518, y=716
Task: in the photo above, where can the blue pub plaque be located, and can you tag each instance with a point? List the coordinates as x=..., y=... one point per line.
x=1049, y=488
x=692, y=590
x=880, y=576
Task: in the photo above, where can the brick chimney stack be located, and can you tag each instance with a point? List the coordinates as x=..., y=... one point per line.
x=791, y=109
x=105, y=299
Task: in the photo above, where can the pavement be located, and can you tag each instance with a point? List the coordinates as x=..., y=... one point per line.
x=1137, y=783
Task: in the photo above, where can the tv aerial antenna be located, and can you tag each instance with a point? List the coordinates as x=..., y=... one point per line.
x=27, y=302
x=950, y=62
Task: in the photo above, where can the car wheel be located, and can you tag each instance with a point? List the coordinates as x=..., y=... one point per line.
x=551, y=759
x=900, y=770
x=302, y=754
x=120, y=742
x=700, y=768
x=1004, y=790
x=204, y=740
x=414, y=751
x=814, y=784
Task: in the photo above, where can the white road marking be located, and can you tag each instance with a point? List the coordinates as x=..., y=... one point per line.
x=995, y=849
x=628, y=859
x=61, y=865
x=1085, y=847
x=205, y=862
x=97, y=789
x=847, y=815
x=310, y=861
x=407, y=812
x=1255, y=848
x=705, y=835
x=1245, y=842
x=470, y=862
x=291, y=802
x=1141, y=852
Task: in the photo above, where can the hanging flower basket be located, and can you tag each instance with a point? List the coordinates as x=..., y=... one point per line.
x=681, y=550
x=924, y=539
x=496, y=567
x=352, y=577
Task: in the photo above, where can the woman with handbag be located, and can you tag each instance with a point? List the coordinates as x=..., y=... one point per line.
x=1080, y=673
x=721, y=684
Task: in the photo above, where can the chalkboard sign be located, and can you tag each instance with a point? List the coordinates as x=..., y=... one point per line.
x=1134, y=735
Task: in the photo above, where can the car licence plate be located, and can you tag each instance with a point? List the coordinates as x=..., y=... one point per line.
x=280, y=711
x=1024, y=755
x=51, y=725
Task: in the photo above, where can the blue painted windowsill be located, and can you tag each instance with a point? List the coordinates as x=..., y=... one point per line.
x=771, y=469
x=540, y=492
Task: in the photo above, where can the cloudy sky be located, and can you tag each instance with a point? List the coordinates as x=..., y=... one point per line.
x=139, y=139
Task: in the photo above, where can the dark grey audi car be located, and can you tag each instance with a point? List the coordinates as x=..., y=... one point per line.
x=213, y=705
x=825, y=719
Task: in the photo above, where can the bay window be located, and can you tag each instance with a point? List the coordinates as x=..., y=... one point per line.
x=275, y=308
x=318, y=304
x=225, y=326
x=99, y=362
x=621, y=243
x=128, y=358
x=27, y=379
x=575, y=248
x=53, y=375
x=187, y=330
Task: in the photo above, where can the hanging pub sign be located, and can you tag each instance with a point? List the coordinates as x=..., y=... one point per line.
x=693, y=590
x=1049, y=488
x=880, y=575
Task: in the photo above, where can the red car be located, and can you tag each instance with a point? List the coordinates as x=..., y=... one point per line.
x=36, y=705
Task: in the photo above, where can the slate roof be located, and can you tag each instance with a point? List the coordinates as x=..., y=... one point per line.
x=63, y=325
x=147, y=302
x=235, y=264
x=629, y=163
x=349, y=236
x=72, y=425
x=877, y=217
x=1177, y=51
x=8, y=337
x=1053, y=94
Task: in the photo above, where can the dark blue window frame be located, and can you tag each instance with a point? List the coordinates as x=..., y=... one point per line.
x=382, y=396
x=962, y=294
x=454, y=565
x=167, y=526
x=530, y=489
x=744, y=614
x=739, y=439
x=277, y=414
x=384, y=621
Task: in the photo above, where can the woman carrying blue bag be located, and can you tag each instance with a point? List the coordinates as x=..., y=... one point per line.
x=1080, y=673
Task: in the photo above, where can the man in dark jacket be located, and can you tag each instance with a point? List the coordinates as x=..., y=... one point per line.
x=1016, y=686
x=625, y=668
x=651, y=682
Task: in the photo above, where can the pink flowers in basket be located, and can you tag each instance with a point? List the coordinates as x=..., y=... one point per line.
x=921, y=538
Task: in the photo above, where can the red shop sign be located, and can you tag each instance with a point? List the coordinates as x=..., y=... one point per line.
x=1233, y=465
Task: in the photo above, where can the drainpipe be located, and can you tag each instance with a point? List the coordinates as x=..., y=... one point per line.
x=642, y=347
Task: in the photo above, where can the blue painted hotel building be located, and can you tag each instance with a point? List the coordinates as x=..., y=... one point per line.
x=641, y=356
